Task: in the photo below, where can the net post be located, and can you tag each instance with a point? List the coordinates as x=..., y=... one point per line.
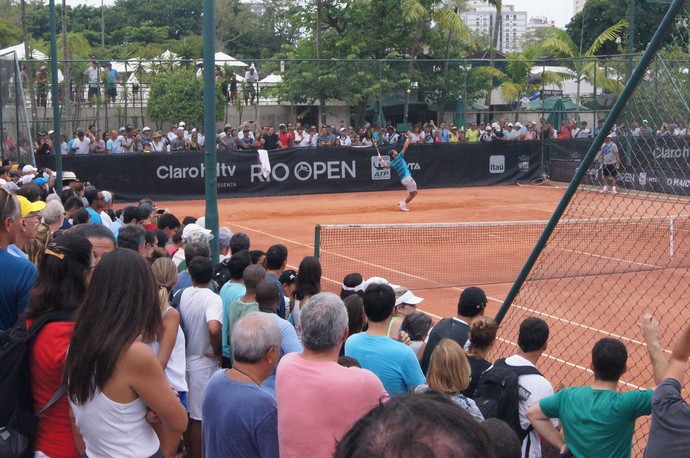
x=317, y=240
x=637, y=74
x=671, y=228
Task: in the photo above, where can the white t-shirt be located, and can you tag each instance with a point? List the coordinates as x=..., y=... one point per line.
x=301, y=139
x=92, y=74
x=81, y=146
x=199, y=306
x=532, y=388
x=345, y=141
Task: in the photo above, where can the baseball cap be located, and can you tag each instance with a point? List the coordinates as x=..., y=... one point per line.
x=288, y=277
x=510, y=124
x=342, y=129
x=227, y=126
x=107, y=196
x=488, y=127
x=26, y=179
x=182, y=124
x=194, y=130
x=518, y=124
x=644, y=121
x=282, y=126
x=28, y=168
x=122, y=129
x=472, y=300
x=51, y=132
x=405, y=296
x=30, y=207
x=146, y=129
x=374, y=281
x=194, y=233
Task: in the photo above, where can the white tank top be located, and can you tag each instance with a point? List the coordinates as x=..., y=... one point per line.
x=175, y=370
x=111, y=429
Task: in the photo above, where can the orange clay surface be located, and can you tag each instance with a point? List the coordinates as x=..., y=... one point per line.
x=290, y=220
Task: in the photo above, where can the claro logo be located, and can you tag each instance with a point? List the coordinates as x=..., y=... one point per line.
x=671, y=153
x=497, y=164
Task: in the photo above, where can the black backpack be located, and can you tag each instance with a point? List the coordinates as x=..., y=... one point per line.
x=17, y=419
x=498, y=396
x=221, y=273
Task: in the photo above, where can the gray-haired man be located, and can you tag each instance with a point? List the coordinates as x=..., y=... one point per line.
x=241, y=419
x=307, y=382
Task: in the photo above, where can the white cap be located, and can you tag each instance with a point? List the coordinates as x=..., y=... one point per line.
x=644, y=121
x=194, y=130
x=51, y=132
x=517, y=124
x=146, y=128
x=182, y=124
x=28, y=168
x=26, y=179
x=122, y=129
x=192, y=229
x=510, y=124
x=488, y=128
x=407, y=297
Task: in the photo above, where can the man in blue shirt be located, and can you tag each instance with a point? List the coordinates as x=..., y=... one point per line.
x=96, y=202
x=398, y=163
x=17, y=275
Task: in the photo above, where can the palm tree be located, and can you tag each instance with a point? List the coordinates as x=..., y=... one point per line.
x=447, y=18
x=584, y=65
x=498, y=4
x=516, y=81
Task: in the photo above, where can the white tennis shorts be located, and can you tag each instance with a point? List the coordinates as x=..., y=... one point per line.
x=409, y=184
x=196, y=381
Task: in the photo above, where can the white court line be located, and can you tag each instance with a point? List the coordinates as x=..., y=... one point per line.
x=572, y=323
x=555, y=358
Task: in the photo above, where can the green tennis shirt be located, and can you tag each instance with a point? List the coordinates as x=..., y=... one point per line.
x=598, y=423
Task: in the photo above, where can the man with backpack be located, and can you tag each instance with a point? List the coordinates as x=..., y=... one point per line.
x=598, y=420
x=512, y=385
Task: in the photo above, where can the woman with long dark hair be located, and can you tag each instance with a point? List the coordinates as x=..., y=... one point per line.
x=115, y=384
x=308, y=284
x=60, y=287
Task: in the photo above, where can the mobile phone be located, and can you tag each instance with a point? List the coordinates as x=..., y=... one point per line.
x=160, y=211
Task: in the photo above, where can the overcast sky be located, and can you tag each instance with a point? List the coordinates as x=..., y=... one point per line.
x=559, y=10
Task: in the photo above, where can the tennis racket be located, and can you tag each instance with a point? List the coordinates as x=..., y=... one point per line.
x=376, y=145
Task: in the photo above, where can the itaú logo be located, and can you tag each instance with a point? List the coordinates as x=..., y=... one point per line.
x=304, y=171
x=497, y=164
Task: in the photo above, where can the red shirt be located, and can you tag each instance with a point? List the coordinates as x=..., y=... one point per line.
x=565, y=132
x=54, y=435
x=285, y=139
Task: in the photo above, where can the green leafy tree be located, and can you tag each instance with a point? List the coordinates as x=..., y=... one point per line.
x=583, y=63
x=599, y=15
x=515, y=81
x=10, y=34
x=179, y=94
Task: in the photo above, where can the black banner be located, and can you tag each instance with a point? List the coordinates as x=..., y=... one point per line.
x=304, y=170
x=654, y=164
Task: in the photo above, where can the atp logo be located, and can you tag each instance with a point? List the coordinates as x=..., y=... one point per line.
x=378, y=171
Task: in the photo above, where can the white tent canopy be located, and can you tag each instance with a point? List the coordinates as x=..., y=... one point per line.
x=21, y=54
x=272, y=79
x=225, y=59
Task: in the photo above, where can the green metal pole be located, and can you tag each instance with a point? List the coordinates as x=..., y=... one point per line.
x=594, y=102
x=637, y=75
x=211, y=178
x=55, y=94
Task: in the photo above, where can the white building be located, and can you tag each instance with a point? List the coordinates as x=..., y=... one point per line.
x=539, y=22
x=578, y=5
x=480, y=18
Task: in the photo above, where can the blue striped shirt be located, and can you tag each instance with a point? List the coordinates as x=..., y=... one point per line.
x=400, y=166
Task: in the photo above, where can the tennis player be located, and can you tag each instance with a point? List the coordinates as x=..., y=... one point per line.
x=611, y=161
x=398, y=163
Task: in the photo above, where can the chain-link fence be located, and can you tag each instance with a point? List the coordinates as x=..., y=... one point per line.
x=386, y=92
x=628, y=256
x=15, y=135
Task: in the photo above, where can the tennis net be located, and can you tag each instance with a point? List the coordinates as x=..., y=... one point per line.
x=441, y=255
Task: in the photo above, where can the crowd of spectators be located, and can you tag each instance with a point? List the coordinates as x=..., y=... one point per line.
x=263, y=362
x=249, y=136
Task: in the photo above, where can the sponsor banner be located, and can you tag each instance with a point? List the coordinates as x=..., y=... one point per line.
x=304, y=171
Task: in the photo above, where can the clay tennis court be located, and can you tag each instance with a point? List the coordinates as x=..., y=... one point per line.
x=587, y=317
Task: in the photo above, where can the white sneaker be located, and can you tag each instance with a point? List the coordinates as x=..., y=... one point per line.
x=604, y=191
x=614, y=191
x=403, y=206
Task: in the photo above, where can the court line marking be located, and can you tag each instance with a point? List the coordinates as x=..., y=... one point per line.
x=572, y=323
x=555, y=358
